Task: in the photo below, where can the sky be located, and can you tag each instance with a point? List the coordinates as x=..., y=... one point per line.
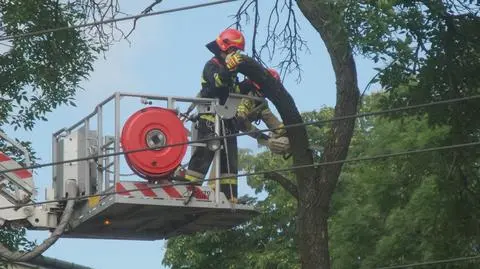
x=166, y=56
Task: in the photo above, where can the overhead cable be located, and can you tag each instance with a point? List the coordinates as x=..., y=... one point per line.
x=431, y=262
x=40, y=32
x=366, y=158
x=359, y=115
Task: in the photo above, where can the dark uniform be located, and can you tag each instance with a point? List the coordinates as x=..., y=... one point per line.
x=253, y=111
x=217, y=82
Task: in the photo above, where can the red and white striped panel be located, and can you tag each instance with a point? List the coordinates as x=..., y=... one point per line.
x=22, y=177
x=152, y=191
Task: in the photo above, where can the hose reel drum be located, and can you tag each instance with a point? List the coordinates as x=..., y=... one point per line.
x=154, y=127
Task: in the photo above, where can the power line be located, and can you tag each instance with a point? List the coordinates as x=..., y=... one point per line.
x=367, y=158
x=431, y=262
x=359, y=115
x=247, y=133
x=162, y=185
x=114, y=20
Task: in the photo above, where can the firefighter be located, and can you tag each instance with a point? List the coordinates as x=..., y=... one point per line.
x=218, y=80
x=253, y=111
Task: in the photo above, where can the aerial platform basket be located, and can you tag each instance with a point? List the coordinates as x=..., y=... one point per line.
x=155, y=213
x=150, y=206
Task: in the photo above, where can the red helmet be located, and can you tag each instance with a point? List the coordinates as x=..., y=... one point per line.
x=231, y=38
x=272, y=72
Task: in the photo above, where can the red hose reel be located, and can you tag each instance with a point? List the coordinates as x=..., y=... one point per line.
x=154, y=127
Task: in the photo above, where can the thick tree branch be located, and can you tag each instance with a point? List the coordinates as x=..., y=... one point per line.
x=327, y=22
x=286, y=183
x=285, y=105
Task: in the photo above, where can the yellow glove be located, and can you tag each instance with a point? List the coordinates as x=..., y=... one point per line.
x=233, y=60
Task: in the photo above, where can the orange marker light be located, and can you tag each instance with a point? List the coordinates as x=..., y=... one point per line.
x=106, y=222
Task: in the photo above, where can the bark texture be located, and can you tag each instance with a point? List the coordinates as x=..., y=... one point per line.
x=315, y=195
x=315, y=186
x=289, y=113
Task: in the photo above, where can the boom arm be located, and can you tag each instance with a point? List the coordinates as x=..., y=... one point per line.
x=21, y=180
x=17, y=191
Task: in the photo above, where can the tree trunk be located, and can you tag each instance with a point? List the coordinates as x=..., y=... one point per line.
x=312, y=228
x=316, y=194
x=316, y=186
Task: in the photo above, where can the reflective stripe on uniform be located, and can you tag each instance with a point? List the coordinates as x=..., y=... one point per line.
x=245, y=106
x=218, y=80
x=191, y=175
x=208, y=117
x=228, y=179
x=243, y=110
x=224, y=181
x=211, y=184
